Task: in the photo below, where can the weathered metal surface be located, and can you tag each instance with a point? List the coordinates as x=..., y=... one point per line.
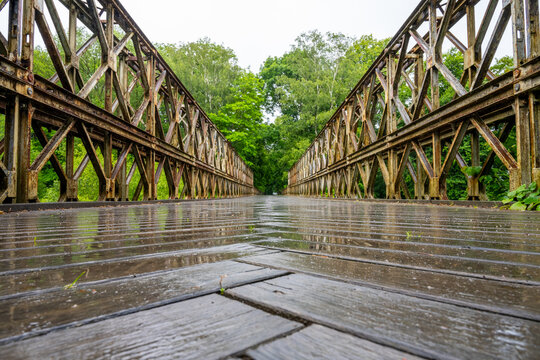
x=319, y=342
x=179, y=330
x=144, y=116
x=392, y=122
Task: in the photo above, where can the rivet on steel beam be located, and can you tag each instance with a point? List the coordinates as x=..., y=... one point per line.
x=29, y=91
x=516, y=87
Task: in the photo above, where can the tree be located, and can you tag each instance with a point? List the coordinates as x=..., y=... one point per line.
x=207, y=70
x=305, y=86
x=241, y=121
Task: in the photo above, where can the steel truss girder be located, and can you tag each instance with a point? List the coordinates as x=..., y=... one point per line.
x=375, y=129
x=163, y=132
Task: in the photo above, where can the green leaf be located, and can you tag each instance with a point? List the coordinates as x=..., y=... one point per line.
x=518, y=206
x=532, y=186
x=507, y=200
x=531, y=199
x=522, y=187
x=522, y=195
x=471, y=170
x=534, y=205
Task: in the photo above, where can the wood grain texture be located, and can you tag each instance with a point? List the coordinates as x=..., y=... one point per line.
x=500, y=296
x=319, y=342
x=474, y=242
x=58, y=275
x=424, y=259
x=35, y=314
x=208, y=327
x=426, y=328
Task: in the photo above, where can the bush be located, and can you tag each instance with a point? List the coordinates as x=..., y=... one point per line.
x=525, y=197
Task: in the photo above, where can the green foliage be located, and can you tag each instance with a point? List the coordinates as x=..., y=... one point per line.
x=207, y=69
x=525, y=197
x=471, y=170
x=241, y=119
x=305, y=86
x=74, y=283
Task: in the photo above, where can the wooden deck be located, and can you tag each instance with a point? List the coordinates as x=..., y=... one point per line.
x=301, y=279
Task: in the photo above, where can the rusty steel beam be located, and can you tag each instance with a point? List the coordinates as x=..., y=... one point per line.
x=349, y=153
x=192, y=152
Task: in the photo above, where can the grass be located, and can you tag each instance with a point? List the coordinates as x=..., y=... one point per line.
x=411, y=236
x=221, y=288
x=74, y=283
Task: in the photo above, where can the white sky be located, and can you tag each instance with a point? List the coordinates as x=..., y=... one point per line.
x=258, y=29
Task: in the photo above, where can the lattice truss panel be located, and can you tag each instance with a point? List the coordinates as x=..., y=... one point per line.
x=133, y=116
x=392, y=125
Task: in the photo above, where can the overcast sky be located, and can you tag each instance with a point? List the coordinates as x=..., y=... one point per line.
x=258, y=29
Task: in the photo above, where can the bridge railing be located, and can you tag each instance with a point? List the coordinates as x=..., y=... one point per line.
x=393, y=126
x=132, y=114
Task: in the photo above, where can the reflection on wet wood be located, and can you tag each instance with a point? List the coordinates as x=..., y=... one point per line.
x=38, y=313
x=414, y=259
x=319, y=342
x=426, y=328
x=383, y=279
x=183, y=330
x=498, y=296
x=40, y=261
x=22, y=280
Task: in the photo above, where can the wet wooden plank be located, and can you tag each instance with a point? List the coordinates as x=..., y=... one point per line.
x=37, y=313
x=385, y=233
x=39, y=243
x=94, y=252
x=128, y=220
x=319, y=342
x=413, y=243
x=498, y=296
x=442, y=219
x=208, y=327
x=425, y=328
x=425, y=260
x=55, y=275
x=435, y=225
x=398, y=218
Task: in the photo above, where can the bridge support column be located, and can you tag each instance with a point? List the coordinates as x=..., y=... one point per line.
x=72, y=186
x=534, y=107
x=17, y=152
x=434, y=182
x=475, y=189
x=123, y=187
x=526, y=112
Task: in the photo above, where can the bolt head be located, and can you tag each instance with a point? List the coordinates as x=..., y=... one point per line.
x=30, y=91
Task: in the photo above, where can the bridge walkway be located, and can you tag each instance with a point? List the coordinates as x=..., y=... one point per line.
x=270, y=277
